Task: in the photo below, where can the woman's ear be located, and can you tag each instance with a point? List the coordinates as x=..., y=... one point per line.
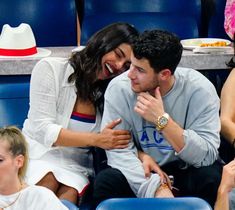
x=19, y=161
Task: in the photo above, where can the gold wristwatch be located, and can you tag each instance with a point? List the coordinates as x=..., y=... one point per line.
x=162, y=121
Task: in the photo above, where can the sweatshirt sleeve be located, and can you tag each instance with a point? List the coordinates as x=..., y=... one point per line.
x=202, y=127
x=126, y=160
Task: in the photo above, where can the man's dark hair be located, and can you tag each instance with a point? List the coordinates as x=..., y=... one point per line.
x=162, y=49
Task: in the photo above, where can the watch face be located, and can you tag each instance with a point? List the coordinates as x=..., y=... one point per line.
x=163, y=121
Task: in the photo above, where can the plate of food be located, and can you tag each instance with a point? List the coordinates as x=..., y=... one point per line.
x=206, y=43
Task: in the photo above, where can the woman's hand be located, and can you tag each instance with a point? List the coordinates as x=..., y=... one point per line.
x=150, y=165
x=228, y=177
x=113, y=139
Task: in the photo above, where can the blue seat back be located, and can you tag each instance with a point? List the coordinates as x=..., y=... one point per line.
x=216, y=22
x=185, y=7
x=14, y=100
x=183, y=203
x=53, y=22
x=181, y=17
x=69, y=205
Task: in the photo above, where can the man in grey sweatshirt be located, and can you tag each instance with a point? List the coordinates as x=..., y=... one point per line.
x=173, y=116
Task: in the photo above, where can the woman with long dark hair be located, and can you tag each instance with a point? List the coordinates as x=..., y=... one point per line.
x=66, y=103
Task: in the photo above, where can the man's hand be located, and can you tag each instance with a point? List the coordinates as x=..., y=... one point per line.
x=150, y=165
x=149, y=107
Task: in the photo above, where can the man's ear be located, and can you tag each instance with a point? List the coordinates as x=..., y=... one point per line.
x=165, y=74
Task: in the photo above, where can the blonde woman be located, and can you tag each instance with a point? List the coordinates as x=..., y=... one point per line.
x=14, y=192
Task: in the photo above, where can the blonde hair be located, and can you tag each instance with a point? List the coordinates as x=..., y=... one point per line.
x=17, y=145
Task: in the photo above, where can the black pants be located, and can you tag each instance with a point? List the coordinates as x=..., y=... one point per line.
x=199, y=182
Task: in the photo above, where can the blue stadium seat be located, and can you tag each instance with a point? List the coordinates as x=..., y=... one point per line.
x=183, y=203
x=69, y=205
x=216, y=22
x=14, y=100
x=181, y=17
x=53, y=22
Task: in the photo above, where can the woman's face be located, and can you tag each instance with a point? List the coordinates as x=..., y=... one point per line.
x=115, y=62
x=9, y=165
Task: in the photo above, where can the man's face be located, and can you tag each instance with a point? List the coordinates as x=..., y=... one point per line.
x=142, y=75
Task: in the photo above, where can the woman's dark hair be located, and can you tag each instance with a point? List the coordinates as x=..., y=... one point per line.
x=231, y=63
x=87, y=62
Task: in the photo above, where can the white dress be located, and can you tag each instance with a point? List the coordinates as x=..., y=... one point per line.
x=70, y=165
x=32, y=198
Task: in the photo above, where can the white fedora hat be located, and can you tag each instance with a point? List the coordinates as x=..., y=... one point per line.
x=19, y=42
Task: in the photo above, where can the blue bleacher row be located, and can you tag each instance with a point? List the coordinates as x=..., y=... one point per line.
x=183, y=203
x=186, y=18
x=54, y=22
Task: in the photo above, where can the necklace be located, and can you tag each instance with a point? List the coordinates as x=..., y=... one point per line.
x=3, y=207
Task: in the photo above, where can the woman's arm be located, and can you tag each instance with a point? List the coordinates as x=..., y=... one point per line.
x=107, y=139
x=227, y=115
